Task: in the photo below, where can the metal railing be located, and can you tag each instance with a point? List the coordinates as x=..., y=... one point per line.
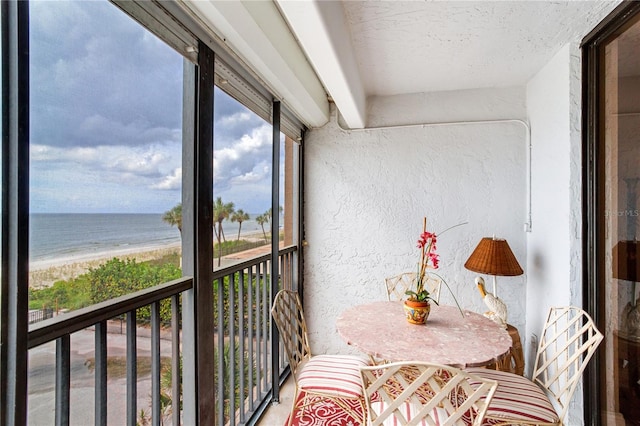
x=243, y=334
x=61, y=328
x=40, y=315
x=242, y=344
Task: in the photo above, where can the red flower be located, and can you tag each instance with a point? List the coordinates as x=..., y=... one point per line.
x=434, y=259
x=428, y=259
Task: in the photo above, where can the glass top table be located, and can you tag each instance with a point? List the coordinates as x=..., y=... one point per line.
x=381, y=330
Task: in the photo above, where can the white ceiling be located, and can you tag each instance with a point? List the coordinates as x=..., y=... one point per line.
x=359, y=49
x=409, y=47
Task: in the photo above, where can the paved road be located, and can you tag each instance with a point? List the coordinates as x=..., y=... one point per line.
x=42, y=378
x=42, y=370
x=235, y=258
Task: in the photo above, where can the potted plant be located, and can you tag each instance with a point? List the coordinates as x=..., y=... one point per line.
x=417, y=306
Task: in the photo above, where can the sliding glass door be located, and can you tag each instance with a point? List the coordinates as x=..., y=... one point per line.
x=613, y=216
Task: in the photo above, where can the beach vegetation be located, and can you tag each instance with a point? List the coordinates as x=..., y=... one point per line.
x=173, y=258
x=242, y=285
x=269, y=213
x=265, y=219
x=239, y=216
x=237, y=364
x=166, y=402
x=174, y=217
x=111, y=279
x=221, y=211
x=262, y=220
x=230, y=247
x=71, y=295
x=117, y=369
x=118, y=277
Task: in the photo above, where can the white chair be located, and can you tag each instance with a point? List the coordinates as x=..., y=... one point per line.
x=418, y=393
x=569, y=340
x=397, y=285
x=320, y=377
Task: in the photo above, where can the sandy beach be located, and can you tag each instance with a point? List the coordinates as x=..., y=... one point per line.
x=45, y=273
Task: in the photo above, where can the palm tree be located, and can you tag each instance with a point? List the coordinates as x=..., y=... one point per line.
x=221, y=211
x=262, y=219
x=174, y=217
x=239, y=216
x=269, y=213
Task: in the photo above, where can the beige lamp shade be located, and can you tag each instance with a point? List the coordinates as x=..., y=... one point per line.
x=493, y=256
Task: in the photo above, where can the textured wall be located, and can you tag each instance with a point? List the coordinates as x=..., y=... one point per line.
x=548, y=254
x=367, y=191
x=554, y=247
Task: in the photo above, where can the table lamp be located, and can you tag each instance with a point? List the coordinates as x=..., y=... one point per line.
x=626, y=267
x=493, y=256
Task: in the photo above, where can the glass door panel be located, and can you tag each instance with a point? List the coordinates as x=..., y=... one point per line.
x=620, y=235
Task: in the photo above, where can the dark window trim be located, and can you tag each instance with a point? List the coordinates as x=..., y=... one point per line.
x=233, y=76
x=197, y=202
x=592, y=193
x=153, y=17
x=15, y=212
x=197, y=234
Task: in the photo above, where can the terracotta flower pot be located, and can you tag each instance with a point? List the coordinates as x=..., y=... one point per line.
x=417, y=312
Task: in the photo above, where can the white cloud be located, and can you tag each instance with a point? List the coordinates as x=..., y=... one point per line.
x=261, y=172
x=45, y=153
x=154, y=159
x=242, y=156
x=106, y=118
x=147, y=163
x=86, y=170
x=235, y=119
x=172, y=181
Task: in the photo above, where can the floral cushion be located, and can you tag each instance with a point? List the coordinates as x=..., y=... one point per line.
x=517, y=399
x=337, y=375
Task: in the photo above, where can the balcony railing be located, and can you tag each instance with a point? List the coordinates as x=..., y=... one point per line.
x=243, y=353
x=244, y=357
x=40, y=315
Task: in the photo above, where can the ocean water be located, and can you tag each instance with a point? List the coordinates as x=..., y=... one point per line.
x=53, y=236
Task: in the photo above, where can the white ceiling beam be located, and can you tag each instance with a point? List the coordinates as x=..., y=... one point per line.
x=322, y=31
x=257, y=33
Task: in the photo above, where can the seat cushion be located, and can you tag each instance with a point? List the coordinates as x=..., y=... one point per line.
x=337, y=375
x=516, y=399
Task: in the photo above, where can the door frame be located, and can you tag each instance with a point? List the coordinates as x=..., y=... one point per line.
x=592, y=189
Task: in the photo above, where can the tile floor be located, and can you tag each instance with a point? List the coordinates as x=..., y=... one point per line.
x=276, y=414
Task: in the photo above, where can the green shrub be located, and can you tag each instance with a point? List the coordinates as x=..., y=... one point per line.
x=72, y=294
x=118, y=277
x=112, y=279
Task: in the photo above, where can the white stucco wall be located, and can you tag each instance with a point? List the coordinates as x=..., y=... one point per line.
x=554, y=247
x=366, y=193
x=548, y=245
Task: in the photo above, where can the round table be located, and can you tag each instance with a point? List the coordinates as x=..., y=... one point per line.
x=381, y=330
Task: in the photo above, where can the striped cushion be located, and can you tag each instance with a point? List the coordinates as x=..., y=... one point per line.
x=516, y=399
x=337, y=375
x=438, y=415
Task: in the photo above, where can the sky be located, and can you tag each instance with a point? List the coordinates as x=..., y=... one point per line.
x=106, y=119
